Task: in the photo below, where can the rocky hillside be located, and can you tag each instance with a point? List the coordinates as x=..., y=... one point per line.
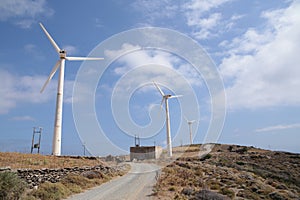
x=230, y=172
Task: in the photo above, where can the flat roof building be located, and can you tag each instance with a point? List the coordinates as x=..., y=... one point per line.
x=145, y=152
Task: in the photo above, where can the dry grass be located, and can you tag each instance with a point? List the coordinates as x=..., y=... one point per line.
x=234, y=172
x=70, y=184
x=37, y=161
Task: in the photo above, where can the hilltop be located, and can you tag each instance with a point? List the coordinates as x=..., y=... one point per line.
x=230, y=172
x=226, y=172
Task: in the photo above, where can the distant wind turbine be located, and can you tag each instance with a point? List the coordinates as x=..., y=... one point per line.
x=165, y=98
x=190, y=123
x=56, y=147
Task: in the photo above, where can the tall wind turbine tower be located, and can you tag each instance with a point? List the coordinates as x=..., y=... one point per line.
x=56, y=146
x=190, y=123
x=165, y=98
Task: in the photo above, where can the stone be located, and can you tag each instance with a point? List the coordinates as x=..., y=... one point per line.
x=187, y=191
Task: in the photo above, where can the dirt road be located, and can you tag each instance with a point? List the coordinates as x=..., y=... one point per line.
x=137, y=184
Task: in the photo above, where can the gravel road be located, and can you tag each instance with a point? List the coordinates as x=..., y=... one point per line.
x=137, y=184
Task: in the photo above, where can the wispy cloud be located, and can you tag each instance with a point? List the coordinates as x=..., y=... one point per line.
x=33, y=51
x=23, y=118
x=157, y=59
x=99, y=23
x=278, y=127
x=201, y=17
x=70, y=49
x=203, y=6
x=23, y=12
x=154, y=10
x=17, y=89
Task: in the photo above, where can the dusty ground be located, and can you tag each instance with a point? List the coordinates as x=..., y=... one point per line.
x=231, y=172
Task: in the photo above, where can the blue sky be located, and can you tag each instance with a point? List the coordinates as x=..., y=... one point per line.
x=253, y=44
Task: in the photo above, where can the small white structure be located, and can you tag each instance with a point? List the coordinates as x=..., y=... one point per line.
x=145, y=152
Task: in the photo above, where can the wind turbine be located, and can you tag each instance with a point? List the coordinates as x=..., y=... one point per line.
x=165, y=98
x=190, y=123
x=56, y=147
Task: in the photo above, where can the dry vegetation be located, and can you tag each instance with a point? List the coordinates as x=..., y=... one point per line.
x=69, y=185
x=37, y=161
x=231, y=172
x=12, y=187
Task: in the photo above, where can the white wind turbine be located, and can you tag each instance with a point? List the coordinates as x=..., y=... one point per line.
x=56, y=147
x=165, y=98
x=190, y=123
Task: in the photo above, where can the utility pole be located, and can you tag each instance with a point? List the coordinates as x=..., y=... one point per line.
x=36, y=130
x=84, y=149
x=137, y=141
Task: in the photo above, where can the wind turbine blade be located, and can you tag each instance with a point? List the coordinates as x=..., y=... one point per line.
x=82, y=58
x=51, y=75
x=176, y=96
x=158, y=88
x=50, y=38
x=161, y=103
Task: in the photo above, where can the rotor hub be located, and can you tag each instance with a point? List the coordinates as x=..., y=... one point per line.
x=62, y=54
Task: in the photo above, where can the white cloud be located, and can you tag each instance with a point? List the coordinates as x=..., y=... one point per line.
x=199, y=15
x=278, y=127
x=23, y=12
x=205, y=22
x=24, y=23
x=249, y=42
x=202, y=6
x=33, y=51
x=205, y=26
x=70, y=49
x=68, y=91
x=26, y=89
x=23, y=118
x=153, y=10
x=211, y=21
x=140, y=58
x=99, y=23
x=261, y=68
x=158, y=59
x=126, y=48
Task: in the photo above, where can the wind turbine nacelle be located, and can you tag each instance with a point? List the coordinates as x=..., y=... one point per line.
x=62, y=54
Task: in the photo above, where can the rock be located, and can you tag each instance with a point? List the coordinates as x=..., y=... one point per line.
x=187, y=191
x=3, y=169
x=276, y=196
x=92, y=174
x=209, y=195
x=281, y=187
x=36, y=177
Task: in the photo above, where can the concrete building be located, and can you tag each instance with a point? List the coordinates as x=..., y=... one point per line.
x=145, y=152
